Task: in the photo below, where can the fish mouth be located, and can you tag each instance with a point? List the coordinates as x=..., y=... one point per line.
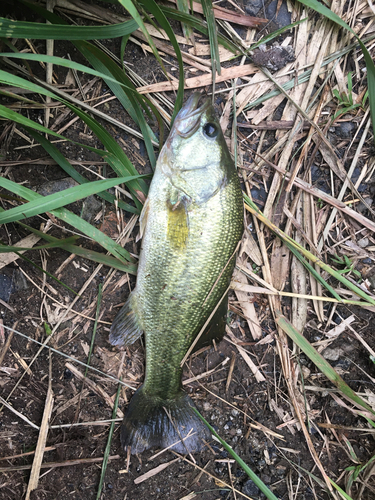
x=188, y=119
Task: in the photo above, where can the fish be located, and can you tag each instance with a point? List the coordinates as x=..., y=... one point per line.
x=191, y=225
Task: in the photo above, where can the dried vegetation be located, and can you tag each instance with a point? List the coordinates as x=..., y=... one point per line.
x=299, y=127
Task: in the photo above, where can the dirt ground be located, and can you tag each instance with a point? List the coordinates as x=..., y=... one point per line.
x=253, y=417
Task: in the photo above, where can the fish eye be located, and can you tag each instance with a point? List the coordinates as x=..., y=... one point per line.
x=210, y=130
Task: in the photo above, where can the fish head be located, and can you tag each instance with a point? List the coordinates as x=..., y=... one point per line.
x=195, y=156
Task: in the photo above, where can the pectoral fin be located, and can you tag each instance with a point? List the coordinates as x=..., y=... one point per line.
x=125, y=329
x=178, y=225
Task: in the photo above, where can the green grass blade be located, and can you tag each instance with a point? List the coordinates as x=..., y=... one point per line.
x=54, y=241
x=183, y=6
x=319, y=361
x=9, y=114
x=340, y=490
x=258, y=482
x=208, y=11
x=95, y=328
x=325, y=11
x=118, y=160
x=16, y=81
x=157, y=12
x=23, y=257
x=130, y=100
x=56, y=200
x=116, y=80
x=132, y=9
x=313, y=271
x=109, y=442
x=200, y=26
x=72, y=219
x=124, y=42
x=60, y=243
x=59, y=158
x=66, y=63
x=41, y=31
x=100, y=258
x=126, y=93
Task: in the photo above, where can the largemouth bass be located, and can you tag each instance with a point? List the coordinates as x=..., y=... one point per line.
x=191, y=223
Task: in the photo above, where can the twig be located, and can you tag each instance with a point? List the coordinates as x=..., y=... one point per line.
x=43, y=432
x=25, y=419
x=67, y=463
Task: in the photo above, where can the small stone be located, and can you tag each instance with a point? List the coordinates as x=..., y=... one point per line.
x=343, y=364
x=361, y=207
x=250, y=488
x=265, y=478
x=345, y=130
x=239, y=473
x=332, y=354
x=364, y=242
x=316, y=173
x=90, y=208
x=19, y=281
x=235, y=412
x=280, y=470
x=252, y=7
x=52, y=187
x=254, y=443
x=305, y=372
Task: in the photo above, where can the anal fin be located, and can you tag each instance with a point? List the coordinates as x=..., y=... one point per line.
x=125, y=329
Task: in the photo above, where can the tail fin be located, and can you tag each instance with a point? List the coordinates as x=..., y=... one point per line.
x=147, y=424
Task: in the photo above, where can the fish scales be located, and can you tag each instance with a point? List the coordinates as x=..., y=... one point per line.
x=192, y=222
